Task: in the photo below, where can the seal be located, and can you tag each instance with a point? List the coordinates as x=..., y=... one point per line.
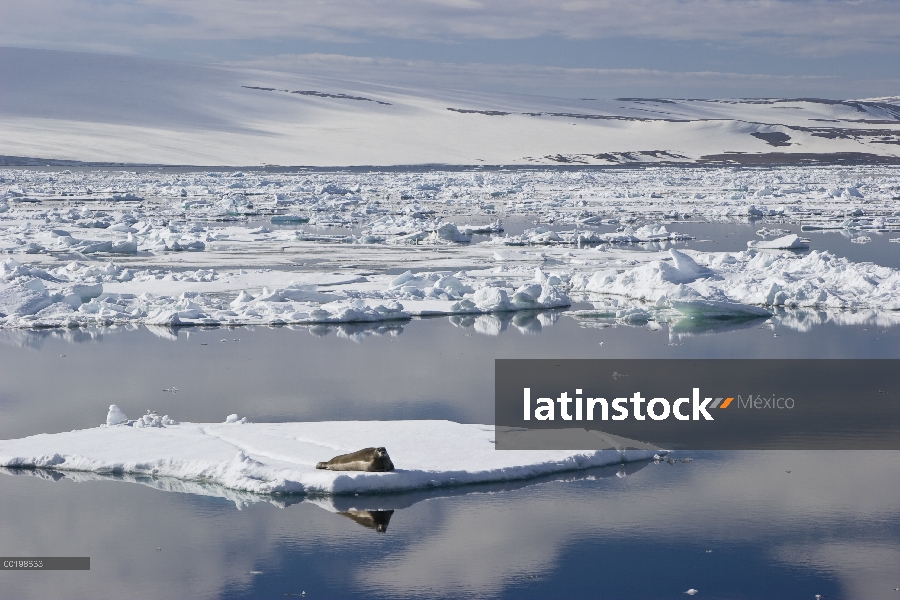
x=367, y=459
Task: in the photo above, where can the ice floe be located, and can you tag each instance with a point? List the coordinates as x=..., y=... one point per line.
x=280, y=458
x=787, y=242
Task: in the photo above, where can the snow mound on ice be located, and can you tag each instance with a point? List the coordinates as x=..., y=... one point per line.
x=115, y=415
x=272, y=458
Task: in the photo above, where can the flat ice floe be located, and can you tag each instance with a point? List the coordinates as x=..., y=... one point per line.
x=275, y=458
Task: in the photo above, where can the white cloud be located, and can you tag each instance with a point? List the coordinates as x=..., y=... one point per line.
x=806, y=26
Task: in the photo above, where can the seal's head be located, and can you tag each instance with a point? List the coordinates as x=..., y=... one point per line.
x=382, y=461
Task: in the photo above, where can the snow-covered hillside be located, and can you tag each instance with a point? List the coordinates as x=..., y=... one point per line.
x=114, y=109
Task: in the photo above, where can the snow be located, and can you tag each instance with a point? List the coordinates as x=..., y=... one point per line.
x=277, y=458
x=119, y=109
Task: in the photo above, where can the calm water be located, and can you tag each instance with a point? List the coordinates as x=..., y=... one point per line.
x=729, y=524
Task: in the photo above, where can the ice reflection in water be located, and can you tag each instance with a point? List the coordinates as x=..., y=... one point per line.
x=780, y=524
x=739, y=524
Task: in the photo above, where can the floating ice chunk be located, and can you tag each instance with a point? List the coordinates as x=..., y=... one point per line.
x=766, y=232
x=450, y=233
x=787, y=242
x=161, y=316
x=151, y=419
x=598, y=282
x=451, y=285
x=34, y=284
x=463, y=306
x=10, y=268
x=527, y=295
x=712, y=309
x=633, y=315
x=243, y=298
x=687, y=267
x=115, y=416
x=491, y=299
x=196, y=246
x=93, y=247
x=862, y=239
x=19, y=300
x=268, y=295
x=127, y=246
x=401, y=279
x=234, y=418
x=85, y=291
x=553, y=297
x=56, y=312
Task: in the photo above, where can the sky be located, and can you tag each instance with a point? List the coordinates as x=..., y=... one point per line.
x=575, y=48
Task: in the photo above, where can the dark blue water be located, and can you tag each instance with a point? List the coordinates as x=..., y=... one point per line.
x=729, y=524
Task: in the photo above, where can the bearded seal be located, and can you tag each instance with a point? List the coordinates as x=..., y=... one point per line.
x=367, y=459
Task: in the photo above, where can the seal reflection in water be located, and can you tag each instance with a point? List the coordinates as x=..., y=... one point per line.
x=367, y=459
x=373, y=519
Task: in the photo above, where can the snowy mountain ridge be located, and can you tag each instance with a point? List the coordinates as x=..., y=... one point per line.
x=93, y=108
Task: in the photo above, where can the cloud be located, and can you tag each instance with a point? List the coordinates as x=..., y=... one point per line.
x=801, y=26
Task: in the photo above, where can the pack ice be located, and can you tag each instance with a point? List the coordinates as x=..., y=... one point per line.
x=276, y=458
x=723, y=281
x=233, y=248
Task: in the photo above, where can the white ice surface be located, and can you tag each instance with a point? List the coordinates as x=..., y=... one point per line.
x=272, y=458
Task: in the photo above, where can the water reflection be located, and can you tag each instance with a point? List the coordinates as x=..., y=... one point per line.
x=342, y=504
x=371, y=519
x=689, y=327
x=605, y=312
x=740, y=525
x=36, y=338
